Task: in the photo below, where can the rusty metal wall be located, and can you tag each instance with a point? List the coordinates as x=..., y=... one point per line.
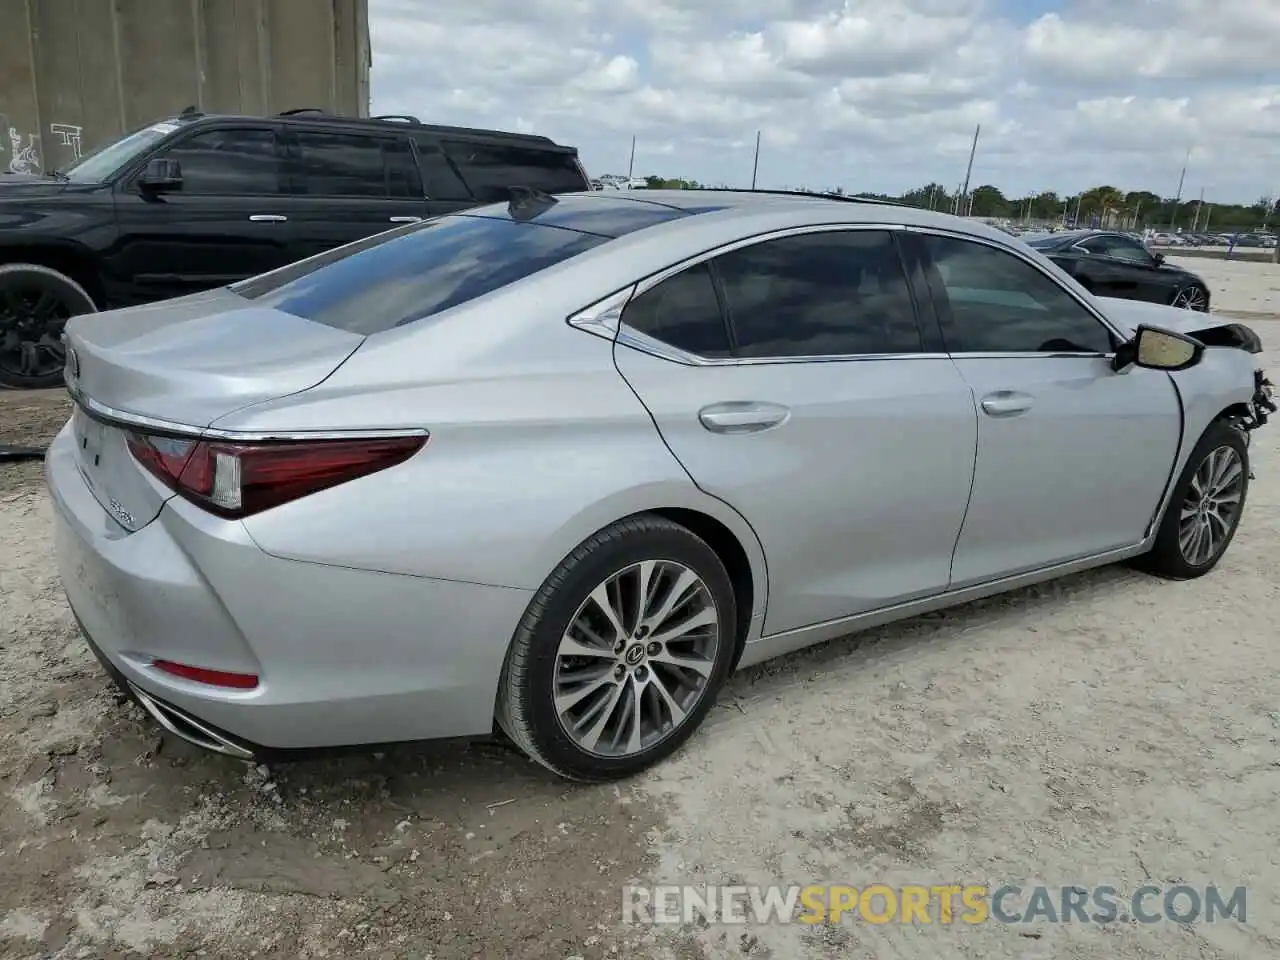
x=75, y=74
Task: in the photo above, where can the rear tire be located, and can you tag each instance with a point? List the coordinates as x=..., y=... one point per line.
x=643, y=677
x=1205, y=510
x=35, y=304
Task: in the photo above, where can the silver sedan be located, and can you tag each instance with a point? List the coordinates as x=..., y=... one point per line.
x=557, y=467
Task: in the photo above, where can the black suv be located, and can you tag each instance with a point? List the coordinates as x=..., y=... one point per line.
x=201, y=201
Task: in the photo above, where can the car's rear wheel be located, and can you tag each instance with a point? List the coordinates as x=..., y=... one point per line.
x=1191, y=297
x=621, y=653
x=35, y=304
x=1205, y=509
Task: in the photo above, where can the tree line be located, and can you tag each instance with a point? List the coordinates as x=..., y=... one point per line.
x=1106, y=205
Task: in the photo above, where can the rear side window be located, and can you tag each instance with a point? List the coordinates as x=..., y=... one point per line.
x=438, y=177
x=384, y=282
x=682, y=311
x=491, y=169
x=349, y=165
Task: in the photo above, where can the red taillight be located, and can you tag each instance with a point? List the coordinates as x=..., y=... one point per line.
x=238, y=479
x=214, y=678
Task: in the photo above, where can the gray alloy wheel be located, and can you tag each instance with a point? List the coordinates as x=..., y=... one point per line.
x=637, y=658
x=1192, y=297
x=1211, y=508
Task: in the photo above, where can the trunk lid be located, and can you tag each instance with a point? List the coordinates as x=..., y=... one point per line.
x=185, y=362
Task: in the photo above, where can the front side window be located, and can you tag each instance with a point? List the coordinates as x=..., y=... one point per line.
x=993, y=302
x=229, y=162
x=836, y=293
x=392, y=279
x=682, y=311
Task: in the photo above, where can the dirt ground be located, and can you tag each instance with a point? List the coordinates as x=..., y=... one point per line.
x=1105, y=729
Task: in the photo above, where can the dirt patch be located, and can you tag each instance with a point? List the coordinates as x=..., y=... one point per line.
x=28, y=418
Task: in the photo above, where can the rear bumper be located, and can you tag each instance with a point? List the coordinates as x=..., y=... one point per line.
x=345, y=657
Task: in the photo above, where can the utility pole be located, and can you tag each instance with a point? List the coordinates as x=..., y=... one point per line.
x=1195, y=224
x=1173, y=217
x=968, y=171
x=755, y=164
x=1079, y=201
x=631, y=167
x=933, y=188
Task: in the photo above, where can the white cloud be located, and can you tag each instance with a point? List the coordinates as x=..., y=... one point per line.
x=867, y=94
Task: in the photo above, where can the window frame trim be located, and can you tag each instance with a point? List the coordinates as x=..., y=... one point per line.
x=1101, y=318
x=606, y=313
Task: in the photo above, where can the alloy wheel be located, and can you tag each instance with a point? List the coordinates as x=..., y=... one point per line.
x=637, y=658
x=1192, y=298
x=31, y=321
x=1212, y=506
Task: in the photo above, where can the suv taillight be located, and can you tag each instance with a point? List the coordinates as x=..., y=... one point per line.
x=238, y=479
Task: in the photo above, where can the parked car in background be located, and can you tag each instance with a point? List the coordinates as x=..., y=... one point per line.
x=564, y=464
x=201, y=201
x=1115, y=265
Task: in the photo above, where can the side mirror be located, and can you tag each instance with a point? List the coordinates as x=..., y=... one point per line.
x=161, y=175
x=1158, y=258
x=1158, y=349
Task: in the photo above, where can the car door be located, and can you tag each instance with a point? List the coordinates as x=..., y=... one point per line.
x=224, y=222
x=1073, y=456
x=347, y=184
x=1121, y=267
x=791, y=379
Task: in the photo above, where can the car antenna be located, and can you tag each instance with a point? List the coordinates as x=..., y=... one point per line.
x=528, y=202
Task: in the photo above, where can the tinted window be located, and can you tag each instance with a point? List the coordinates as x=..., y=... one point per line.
x=229, y=162
x=993, y=302
x=491, y=169
x=682, y=311
x=347, y=165
x=438, y=178
x=1122, y=248
x=383, y=282
x=819, y=294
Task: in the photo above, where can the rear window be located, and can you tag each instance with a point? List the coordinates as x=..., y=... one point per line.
x=393, y=279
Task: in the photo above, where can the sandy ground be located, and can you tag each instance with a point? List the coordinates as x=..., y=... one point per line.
x=1104, y=729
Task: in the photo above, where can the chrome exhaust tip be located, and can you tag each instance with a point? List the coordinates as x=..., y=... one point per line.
x=186, y=727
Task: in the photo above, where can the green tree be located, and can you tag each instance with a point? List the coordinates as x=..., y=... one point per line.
x=988, y=201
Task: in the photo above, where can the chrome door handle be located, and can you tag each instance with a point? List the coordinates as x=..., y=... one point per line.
x=268, y=218
x=740, y=416
x=1006, y=403
x=404, y=219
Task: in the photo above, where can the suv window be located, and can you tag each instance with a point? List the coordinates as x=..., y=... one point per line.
x=837, y=293
x=228, y=162
x=438, y=177
x=392, y=279
x=491, y=169
x=993, y=302
x=682, y=311
x=352, y=165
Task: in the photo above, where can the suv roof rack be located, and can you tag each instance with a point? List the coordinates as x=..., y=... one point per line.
x=399, y=118
x=844, y=197
x=296, y=111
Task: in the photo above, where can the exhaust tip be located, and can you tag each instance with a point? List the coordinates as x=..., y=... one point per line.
x=186, y=727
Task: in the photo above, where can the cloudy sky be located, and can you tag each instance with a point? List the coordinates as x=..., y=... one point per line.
x=878, y=95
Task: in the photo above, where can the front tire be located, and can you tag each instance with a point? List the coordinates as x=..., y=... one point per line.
x=1192, y=297
x=35, y=304
x=1205, y=509
x=621, y=653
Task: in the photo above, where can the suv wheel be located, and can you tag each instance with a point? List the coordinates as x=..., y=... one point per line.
x=35, y=304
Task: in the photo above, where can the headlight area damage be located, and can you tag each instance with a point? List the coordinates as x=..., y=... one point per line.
x=1243, y=338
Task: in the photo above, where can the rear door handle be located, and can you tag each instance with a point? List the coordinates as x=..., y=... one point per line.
x=268, y=218
x=1006, y=403
x=742, y=416
x=404, y=219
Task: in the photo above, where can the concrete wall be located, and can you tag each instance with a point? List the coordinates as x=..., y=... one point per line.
x=75, y=74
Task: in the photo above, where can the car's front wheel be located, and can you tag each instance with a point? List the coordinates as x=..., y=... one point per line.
x=35, y=304
x=1205, y=510
x=621, y=653
x=1191, y=297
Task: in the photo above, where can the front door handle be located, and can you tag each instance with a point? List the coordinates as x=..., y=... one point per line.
x=268, y=218
x=742, y=416
x=404, y=219
x=1006, y=403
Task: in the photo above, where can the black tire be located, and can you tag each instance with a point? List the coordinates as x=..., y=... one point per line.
x=526, y=711
x=1191, y=296
x=35, y=304
x=1167, y=558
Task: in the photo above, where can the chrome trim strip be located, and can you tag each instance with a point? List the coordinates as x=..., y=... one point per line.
x=136, y=421
x=1022, y=255
x=165, y=715
x=603, y=317
x=636, y=340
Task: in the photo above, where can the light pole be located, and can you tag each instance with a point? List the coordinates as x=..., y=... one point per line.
x=755, y=164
